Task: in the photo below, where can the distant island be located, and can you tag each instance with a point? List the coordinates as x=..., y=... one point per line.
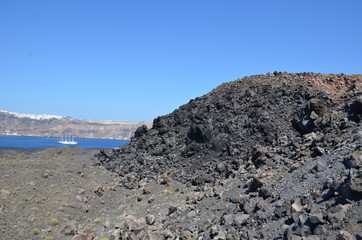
x=44, y=125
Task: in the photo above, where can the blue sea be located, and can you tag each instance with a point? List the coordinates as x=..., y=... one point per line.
x=45, y=142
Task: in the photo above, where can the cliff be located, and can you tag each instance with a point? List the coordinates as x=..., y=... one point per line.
x=56, y=126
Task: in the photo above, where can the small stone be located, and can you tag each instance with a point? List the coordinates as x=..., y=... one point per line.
x=168, y=234
x=297, y=140
x=311, y=237
x=357, y=157
x=70, y=228
x=338, y=213
x=192, y=214
x=255, y=185
x=130, y=222
x=281, y=209
x=147, y=190
x=235, y=198
x=336, y=225
x=359, y=236
x=344, y=235
x=218, y=233
x=357, y=136
x=81, y=198
x=313, y=115
x=214, y=230
x=297, y=207
x=316, y=218
x=249, y=207
x=99, y=190
x=320, y=230
x=240, y=218
x=317, y=106
x=5, y=192
x=85, y=235
x=191, y=199
x=81, y=174
x=217, y=191
x=321, y=165
x=354, y=160
x=165, y=179
x=265, y=192
x=186, y=234
x=107, y=224
x=220, y=167
x=228, y=219
x=283, y=140
x=319, y=151
x=150, y=200
x=172, y=209
x=98, y=220
x=306, y=126
x=150, y=219
x=142, y=182
x=258, y=151
x=356, y=182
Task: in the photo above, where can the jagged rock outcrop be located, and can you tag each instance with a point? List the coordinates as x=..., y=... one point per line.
x=233, y=122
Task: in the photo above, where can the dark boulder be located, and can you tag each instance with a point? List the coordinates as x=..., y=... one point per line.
x=199, y=133
x=140, y=131
x=355, y=110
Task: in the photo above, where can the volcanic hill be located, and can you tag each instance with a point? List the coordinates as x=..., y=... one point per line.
x=272, y=156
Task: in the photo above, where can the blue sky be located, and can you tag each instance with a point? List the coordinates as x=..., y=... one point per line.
x=136, y=60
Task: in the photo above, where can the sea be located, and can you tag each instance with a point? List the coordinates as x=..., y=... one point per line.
x=46, y=142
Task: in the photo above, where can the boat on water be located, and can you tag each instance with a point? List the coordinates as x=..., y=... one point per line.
x=67, y=140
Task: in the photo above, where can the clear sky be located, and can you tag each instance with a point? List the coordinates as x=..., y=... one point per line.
x=136, y=60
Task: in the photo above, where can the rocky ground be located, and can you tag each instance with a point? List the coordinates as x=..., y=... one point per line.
x=275, y=156
x=64, y=193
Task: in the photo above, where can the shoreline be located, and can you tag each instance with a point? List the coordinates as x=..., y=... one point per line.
x=13, y=151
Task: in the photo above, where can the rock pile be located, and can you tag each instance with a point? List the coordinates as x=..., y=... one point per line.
x=275, y=156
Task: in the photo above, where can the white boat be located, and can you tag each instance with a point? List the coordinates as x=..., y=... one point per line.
x=69, y=140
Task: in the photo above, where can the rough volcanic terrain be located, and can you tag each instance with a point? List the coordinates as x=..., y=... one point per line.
x=275, y=156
